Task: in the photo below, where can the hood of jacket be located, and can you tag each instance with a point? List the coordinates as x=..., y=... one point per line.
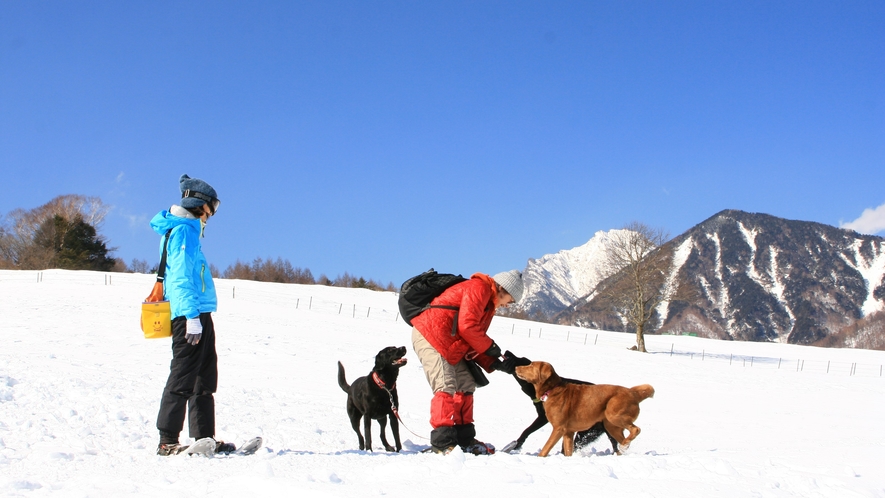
x=175, y=216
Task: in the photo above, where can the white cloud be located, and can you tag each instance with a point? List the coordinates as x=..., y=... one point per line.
x=871, y=221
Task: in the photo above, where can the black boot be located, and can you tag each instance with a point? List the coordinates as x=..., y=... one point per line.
x=169, y=444
x=443, y=439
x=468, y=442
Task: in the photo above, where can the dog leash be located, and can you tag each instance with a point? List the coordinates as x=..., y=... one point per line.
x=380, y=383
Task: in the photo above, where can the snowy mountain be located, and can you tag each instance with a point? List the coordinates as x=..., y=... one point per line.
x=757, y=277
x=555, y=281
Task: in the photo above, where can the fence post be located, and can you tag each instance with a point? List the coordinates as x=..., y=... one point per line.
x=731, y=357
x=339, y=308
x=828, y=366
x=310, y=304
x=369, y=311
x=539, y=332
x=512, y=329
x=594, y=340
x=354, y=311
x=297, y=302
x=671, y=349
x=703, y=354
x=779, y=363
x=751, y=362
x=397, y=316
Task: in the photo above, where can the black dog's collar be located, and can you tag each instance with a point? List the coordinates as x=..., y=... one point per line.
x=381, y=383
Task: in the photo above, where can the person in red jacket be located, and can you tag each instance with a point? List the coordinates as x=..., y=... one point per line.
x=444, y=338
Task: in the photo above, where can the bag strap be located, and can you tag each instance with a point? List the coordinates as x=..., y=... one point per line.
x=161, y=270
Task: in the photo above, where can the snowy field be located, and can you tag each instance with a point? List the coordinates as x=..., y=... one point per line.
x=80, y=388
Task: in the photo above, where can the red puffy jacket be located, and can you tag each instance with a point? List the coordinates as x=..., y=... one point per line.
x=476, y=299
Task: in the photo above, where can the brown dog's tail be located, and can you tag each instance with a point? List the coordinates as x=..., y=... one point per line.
x=643, y=391
x=342, y=382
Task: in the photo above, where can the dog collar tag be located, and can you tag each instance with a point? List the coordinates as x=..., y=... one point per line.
x=544, y=396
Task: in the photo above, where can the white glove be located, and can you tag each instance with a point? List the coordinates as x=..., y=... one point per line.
x=194, y=331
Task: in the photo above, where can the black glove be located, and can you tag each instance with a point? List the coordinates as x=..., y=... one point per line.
x=508, y=365
x=494, y=351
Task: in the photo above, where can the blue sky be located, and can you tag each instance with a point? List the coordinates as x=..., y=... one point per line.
x=384, y=138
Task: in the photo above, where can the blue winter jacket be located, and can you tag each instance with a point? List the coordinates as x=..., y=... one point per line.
x=188, y=285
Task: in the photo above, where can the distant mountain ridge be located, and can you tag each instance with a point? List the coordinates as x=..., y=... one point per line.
x=555, y=281
x=757, y=277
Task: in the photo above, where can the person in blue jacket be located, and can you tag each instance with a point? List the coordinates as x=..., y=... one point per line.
x=188, y=286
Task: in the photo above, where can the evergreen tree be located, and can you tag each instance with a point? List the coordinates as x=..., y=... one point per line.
x=74, y=244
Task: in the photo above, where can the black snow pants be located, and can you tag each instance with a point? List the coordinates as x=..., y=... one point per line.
x=193, y=378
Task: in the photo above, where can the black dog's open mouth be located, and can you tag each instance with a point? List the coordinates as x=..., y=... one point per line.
x=400, y=362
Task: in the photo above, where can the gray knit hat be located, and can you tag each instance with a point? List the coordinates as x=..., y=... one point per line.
x=196, y=192
x=511, y=281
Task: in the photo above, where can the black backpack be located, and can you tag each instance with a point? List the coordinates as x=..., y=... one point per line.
x=417, y=292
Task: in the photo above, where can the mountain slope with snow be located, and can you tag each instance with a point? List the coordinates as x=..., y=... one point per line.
x=761, y=278
x=555, y=281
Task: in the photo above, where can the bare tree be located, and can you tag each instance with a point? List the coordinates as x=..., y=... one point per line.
x=141, y=266
x=636, y=270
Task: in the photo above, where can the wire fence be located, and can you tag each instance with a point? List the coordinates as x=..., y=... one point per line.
x=311, y=298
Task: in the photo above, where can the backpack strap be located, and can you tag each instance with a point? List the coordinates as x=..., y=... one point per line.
x=446, y=307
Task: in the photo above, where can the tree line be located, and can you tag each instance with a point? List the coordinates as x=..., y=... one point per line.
x=65, y=233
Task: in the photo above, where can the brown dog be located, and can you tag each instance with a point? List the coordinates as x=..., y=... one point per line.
x=574, y=407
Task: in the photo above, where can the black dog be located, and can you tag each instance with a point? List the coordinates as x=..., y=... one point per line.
x=374, y=397
x=582, y=438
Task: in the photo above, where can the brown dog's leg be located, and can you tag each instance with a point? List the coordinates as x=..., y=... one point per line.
x=555, y=436
x=617, y=433
x=634, y=431
x=568, y=443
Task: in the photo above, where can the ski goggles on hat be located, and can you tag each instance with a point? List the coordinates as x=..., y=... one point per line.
x=212, y=202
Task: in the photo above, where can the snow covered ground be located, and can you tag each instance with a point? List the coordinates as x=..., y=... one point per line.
x=80, y=387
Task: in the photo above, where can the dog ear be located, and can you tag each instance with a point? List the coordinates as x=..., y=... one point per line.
x=547, y=377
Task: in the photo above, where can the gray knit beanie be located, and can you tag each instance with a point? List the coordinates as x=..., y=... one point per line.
x=511, y=281
x=190, y=185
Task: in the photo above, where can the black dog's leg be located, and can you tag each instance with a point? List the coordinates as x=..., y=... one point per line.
x=539, y=422
x=586, y=437
x=355, y=417
x=394, y=428
x=382, y=421
x=367, y=428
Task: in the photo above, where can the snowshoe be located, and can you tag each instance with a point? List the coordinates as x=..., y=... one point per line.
x=477, y=447
x=512, y=447
x=205, y=447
